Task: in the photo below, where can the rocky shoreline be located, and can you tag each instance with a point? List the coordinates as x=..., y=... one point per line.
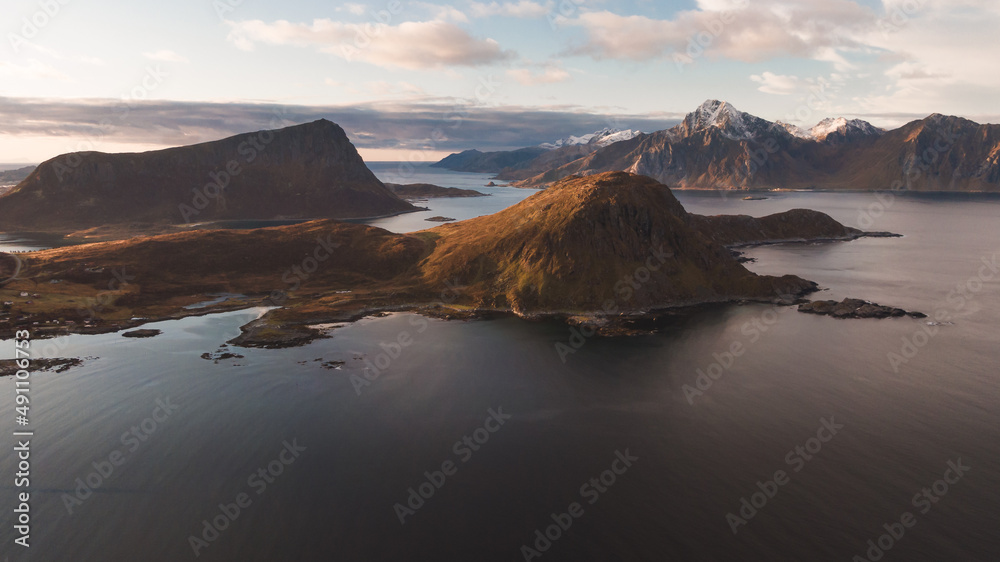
x=8, y=367
x=856, y=308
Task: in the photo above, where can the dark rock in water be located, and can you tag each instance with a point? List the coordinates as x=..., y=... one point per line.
x=9, y=367
x=491, y=184
x=142, y=333
x=856, y=308
x=440, y=219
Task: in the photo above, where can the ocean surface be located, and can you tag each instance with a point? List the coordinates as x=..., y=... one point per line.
x=811, y=437
x=458, y=208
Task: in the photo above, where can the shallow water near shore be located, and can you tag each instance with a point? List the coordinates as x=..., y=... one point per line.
x=366, y=444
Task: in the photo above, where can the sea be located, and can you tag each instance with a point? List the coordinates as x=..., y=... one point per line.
x=736, y=433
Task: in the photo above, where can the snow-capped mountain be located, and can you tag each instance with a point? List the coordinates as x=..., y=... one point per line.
x=795, y=130
x=600, y=139
x=738, y=125
x=729, y=121
x=718, y=146
x=840, y=130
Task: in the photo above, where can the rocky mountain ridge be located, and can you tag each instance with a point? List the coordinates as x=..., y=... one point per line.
x=300, y=172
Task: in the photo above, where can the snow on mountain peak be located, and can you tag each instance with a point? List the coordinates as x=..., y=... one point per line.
x=795, y=130
x=843, y=127
x=730, y=121
x=600, y=139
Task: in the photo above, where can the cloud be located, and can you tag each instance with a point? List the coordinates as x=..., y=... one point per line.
x=439, y=12
x=355, y=9
x=522, y=9
x=549, y=74
x=33, y=70
x=385, y=125
x=57, y=55
x=165, y=55
x=734, y=29
x=780, y=85
x=409, y=45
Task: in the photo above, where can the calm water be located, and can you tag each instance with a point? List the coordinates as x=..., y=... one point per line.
x=363, y=452
x=459, y=208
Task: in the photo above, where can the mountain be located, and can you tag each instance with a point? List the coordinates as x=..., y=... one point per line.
x=14, y=176
x=612, y=246
x=508, y=163
x=721, y=117
x=489, y=162
x=569, y=248
x=840, y=130
x=425, y=190
x=719, y=147
x=599, y=139
x=305, y=171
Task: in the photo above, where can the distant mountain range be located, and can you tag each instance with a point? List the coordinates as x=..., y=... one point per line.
x=545, y=155
x=719, y=147
x=301, y=172
x=16, y=175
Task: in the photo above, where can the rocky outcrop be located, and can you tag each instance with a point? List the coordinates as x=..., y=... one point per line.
x=586, y=241
x=856, y=308
x=426, y=191
x=796, y=225
x=301, y=172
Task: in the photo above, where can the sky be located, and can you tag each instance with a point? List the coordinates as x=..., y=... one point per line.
x=417, y=80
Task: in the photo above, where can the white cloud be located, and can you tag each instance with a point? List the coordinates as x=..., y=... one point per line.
x=739, y=30
x=165, y=55
x=939, y=55
x=351, y=8
x=521, y=9
x=33, y=70
x=410, y=45
x=548, y=75
x=383, y=88
x=771, y=83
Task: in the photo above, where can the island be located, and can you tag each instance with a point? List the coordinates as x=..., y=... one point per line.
x=610, y=248
x=427, y=191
